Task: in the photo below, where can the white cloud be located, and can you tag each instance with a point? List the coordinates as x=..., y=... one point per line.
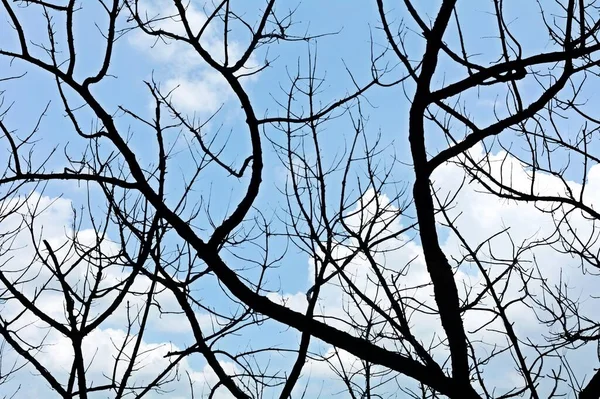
x=479, y=216
x=199, y=88
x=207, y=379
x=100, y=347
x=296, y=302
x=205, y=94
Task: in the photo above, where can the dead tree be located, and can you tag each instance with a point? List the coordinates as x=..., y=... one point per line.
x=170, y=232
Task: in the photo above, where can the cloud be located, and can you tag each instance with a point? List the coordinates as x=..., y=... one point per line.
x=207, y=379
x=106, y=349
x=205, y=94
x=478, y=216
x=296, y=302
x=197, y=87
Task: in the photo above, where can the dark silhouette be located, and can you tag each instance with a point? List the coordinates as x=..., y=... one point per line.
x=155, y=237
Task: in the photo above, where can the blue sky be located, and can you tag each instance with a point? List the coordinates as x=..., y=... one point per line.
x=200, y=93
